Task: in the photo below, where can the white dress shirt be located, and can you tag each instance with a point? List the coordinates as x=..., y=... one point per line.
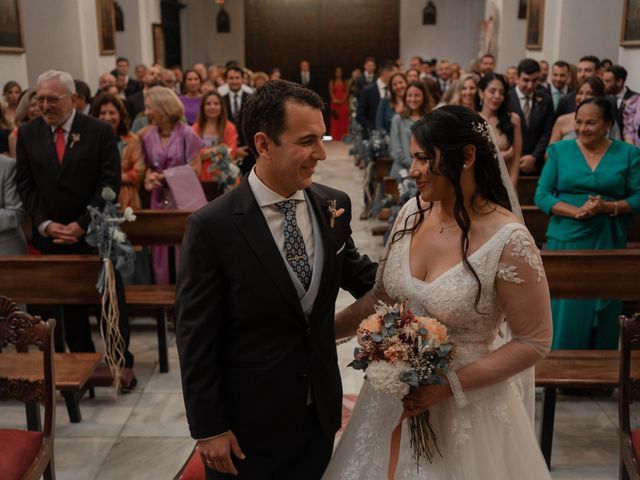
x=267, y=200
x=382, y=88
x=224, y=89
x=66, y=126
x=522, y=98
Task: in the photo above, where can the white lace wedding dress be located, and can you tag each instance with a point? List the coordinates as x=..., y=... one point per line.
x=492, y=437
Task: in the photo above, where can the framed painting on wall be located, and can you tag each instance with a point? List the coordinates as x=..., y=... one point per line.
x=11, y=39
x=535, y=24
x=157, y=34
x=106, y=15
x=630, y=31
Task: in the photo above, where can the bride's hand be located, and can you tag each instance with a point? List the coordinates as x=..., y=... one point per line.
x=423, y=398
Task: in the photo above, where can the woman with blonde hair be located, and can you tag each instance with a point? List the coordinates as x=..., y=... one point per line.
x=462, y=92
x=27, y=110
x=167, y=143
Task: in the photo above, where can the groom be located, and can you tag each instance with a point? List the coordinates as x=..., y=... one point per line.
x=260, y=271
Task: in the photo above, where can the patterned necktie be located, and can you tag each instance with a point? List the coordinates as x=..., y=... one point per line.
x=294, y=247
x=60, y=143
x=527, y=109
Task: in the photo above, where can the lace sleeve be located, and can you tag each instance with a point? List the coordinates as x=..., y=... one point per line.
x=523, y=293
x=348, y=319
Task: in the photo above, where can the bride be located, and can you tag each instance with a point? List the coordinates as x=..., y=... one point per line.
x=460, y=254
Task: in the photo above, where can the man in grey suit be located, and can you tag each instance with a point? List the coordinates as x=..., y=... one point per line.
x=12, y=215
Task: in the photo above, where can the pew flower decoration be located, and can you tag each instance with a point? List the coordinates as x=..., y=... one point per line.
x=105, y=235
x=401, y=352
x=222, y=168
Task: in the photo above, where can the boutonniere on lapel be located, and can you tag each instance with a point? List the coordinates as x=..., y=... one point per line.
x=333, y=212
x=75, y=138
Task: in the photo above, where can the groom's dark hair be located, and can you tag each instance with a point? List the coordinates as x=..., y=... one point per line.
x=265, y=109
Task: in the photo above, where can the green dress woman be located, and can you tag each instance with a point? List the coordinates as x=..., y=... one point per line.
x=591, y=188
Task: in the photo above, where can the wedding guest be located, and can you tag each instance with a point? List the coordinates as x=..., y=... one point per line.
x=631, y=118
x=615, y=79
x=588, y=66
x=105, y=81
x=416, y=62
x=135, y=103
x=492, y=90
x=512, y=76
x=455, y=71
x=444, y=76
x=487, y=64
x=27, y=110
x=463, y=92
x=5, y=129
x=416, y=103
x=56, y=179
x=259, y=79
x=559, y=86
x=207, y=86
x=368, y=76
x=200, y=69
x=565, y=126
x=544, y=74
x=82, y=102
x=213, y=127
x=12, y=215
x=413, y=75
x=535, y=109
x=166, y=143
x=140, y=72
x=394, y=103
x=11, y=93
x=191, y=98
x=590, y=186
x=168, y=79
x=131, y=86
x=110, y=109
x=179, y=75
x=339, y=93
x=370, y=94
x=275, y=74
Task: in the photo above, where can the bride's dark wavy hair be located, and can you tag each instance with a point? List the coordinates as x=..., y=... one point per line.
x=449, y=129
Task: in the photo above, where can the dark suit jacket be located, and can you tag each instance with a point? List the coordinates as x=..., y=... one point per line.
x=536, y=133
x=247, y=353
x=249, y=161
x=618, y=112
x=368, y=100
x=133, y=86
x=134, y=105
x=567, y=104
x=61, y=193
x=313, y=81
x=361, y=82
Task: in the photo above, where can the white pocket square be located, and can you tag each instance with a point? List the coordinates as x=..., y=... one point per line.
x=341, y=248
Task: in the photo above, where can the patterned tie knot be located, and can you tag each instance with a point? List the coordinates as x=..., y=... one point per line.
x=288, y=208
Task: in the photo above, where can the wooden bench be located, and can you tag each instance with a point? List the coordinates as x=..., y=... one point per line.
x=583, y=274
x=383, y=168
x=70, y=280
x=72, y=371
x=526, y=189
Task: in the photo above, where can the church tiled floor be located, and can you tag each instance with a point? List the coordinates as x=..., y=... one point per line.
x=144, y=435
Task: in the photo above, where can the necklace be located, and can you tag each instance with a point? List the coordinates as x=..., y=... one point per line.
x=594, y=152
x=444, y=227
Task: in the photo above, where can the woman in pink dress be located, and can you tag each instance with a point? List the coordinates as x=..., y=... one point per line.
x=339, y=123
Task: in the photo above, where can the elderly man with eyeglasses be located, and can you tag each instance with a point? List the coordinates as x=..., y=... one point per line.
x=64, y=160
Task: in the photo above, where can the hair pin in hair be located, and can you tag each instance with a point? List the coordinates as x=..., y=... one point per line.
x=483, y=129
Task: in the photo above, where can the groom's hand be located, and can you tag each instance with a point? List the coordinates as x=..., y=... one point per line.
x=216, y=452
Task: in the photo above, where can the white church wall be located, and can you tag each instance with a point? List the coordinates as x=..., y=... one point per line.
x=14, y=67
x=454, y=37
x=200, y=40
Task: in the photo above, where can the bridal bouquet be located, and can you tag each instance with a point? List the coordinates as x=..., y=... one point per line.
x=400, y=352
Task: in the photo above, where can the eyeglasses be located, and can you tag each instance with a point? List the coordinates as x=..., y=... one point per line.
x=49, y=100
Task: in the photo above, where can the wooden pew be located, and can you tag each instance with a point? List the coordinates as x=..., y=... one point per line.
x=526, y=189
x=583, y=274
x=71, y=279
x=537, y=222
x=383, y=167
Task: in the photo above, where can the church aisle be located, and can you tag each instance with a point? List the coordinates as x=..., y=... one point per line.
x=144, y=435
